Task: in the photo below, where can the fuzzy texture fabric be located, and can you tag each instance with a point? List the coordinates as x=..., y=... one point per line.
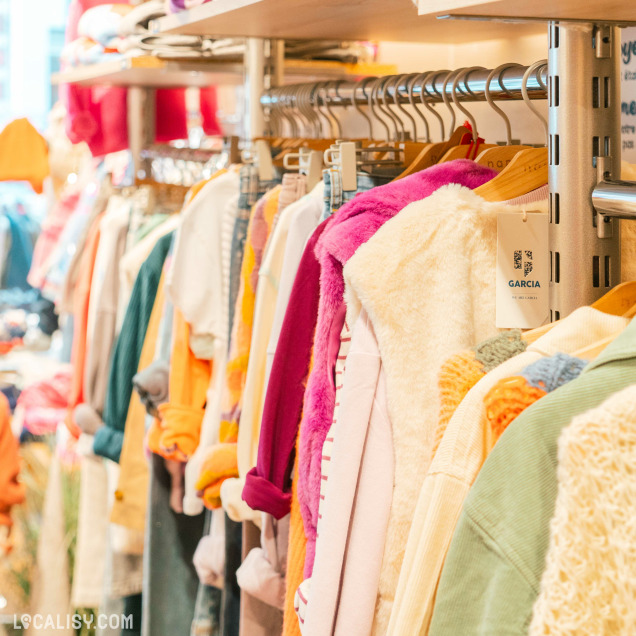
x=464, y=369
x=352, y=226
x=589, y=584
x=426, y=280
x=511, y=396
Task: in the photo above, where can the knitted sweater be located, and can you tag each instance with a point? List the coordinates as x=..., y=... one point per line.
x=589, y=583
x=466, y=444
x=464, y=369
x=125, y=359
x=493, y=569
x=511, y=396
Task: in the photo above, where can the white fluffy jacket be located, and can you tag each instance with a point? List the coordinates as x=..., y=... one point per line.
x=427, y=282
x=589, y=584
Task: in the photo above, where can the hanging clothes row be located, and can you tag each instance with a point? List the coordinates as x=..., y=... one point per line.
x=341, y=440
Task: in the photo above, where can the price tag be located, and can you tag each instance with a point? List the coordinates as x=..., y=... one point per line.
x=523, y=267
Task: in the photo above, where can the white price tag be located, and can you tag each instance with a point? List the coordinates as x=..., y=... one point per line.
x=523, y=276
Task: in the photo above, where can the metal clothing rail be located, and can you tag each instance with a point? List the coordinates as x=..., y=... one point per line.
x=469, y=86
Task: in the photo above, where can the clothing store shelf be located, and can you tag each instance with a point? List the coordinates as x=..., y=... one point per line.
x=330, y=19
x=152, y=72
x=588, y=10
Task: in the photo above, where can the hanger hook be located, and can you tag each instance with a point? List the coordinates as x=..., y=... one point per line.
x=335, y=84
x=382, y=104
x=310, y=110
x=411, y=86
x=321, y=117
x=373, y=102
x=357, y=108
x=446, y=98
x=295, y=92
x=461, y=75
x=425, y=96
x=491, y=102
x=386, y=98
x=533, y=68
x=396, y=99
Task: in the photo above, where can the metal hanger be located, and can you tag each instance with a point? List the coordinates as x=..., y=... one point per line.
x=447, y=102
x=383, y=107
x=410, y=87
x=500, y=156
x=357, y=108
x=372, y=104
x=533, y=68
x=460, y=76
x=396, y=99
x=425, y=96
x=338, y=127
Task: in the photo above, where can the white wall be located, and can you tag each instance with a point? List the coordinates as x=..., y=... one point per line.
x=410, y=58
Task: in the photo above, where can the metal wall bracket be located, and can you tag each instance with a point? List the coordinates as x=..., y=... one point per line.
x=584, y=148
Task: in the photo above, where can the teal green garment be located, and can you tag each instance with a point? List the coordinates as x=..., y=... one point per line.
x=125, y=360
x=496, y=559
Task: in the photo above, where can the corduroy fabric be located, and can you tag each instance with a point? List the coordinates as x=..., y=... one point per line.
x=493, y=569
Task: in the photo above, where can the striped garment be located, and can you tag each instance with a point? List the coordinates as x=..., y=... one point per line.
x=302, y=594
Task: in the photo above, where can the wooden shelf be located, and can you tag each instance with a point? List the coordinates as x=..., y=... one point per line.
x=388, y=20
x=151, y=72
x=623, y=11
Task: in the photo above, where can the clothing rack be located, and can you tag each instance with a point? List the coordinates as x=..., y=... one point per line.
x=585, y=193
x=507, y=85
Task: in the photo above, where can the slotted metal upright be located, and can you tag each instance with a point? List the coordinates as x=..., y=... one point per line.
x=584, y=138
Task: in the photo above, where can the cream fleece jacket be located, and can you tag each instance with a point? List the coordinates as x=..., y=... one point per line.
x=589, y=583
x=426, y=280
x=461, y=453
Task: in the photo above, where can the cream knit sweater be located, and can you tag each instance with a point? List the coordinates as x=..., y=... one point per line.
x=589, y=584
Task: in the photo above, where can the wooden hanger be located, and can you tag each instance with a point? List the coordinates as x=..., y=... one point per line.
x=463, y=152
x=498, y=157
x=527, y=171
x=433, y=153
x=618, y=301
